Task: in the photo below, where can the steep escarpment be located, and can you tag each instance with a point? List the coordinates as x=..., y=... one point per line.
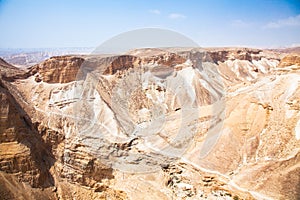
x=290, y=60
x=162, y=123
x=7, y=69
x=31, y=153
x=59, y=69
x=24, y=156
x=4, y=65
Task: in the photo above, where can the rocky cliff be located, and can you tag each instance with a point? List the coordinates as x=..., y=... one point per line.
x=153, y=124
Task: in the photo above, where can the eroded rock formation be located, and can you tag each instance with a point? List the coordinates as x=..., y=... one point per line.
x=154, y=124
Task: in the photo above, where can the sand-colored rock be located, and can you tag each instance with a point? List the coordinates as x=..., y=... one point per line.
x=289, y=61
x=219, y=123
x=58, y=69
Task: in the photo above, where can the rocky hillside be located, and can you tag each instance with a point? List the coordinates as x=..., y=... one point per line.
x=173, y=123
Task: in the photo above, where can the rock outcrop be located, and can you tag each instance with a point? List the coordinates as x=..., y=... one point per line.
x=290, y=60
x=58, y=69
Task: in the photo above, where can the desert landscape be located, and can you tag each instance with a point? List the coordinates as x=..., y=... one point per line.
x=169, y=123
x=150, y=100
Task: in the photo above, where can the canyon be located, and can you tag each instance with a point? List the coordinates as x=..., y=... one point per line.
x=153, y=123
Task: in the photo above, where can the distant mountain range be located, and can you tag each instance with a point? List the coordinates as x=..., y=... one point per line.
x=30, y=56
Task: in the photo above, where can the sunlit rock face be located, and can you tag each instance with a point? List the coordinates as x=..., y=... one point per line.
x=153, y=123
x=60, y=69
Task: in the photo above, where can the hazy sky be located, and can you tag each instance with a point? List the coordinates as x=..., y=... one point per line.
x=84, y=23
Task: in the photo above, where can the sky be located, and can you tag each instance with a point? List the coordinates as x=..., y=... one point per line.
x=88, y=23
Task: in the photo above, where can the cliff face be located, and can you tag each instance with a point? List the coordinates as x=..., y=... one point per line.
x=23, y=152
x=183, y=124
x=60, y=69
x=290, y=60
